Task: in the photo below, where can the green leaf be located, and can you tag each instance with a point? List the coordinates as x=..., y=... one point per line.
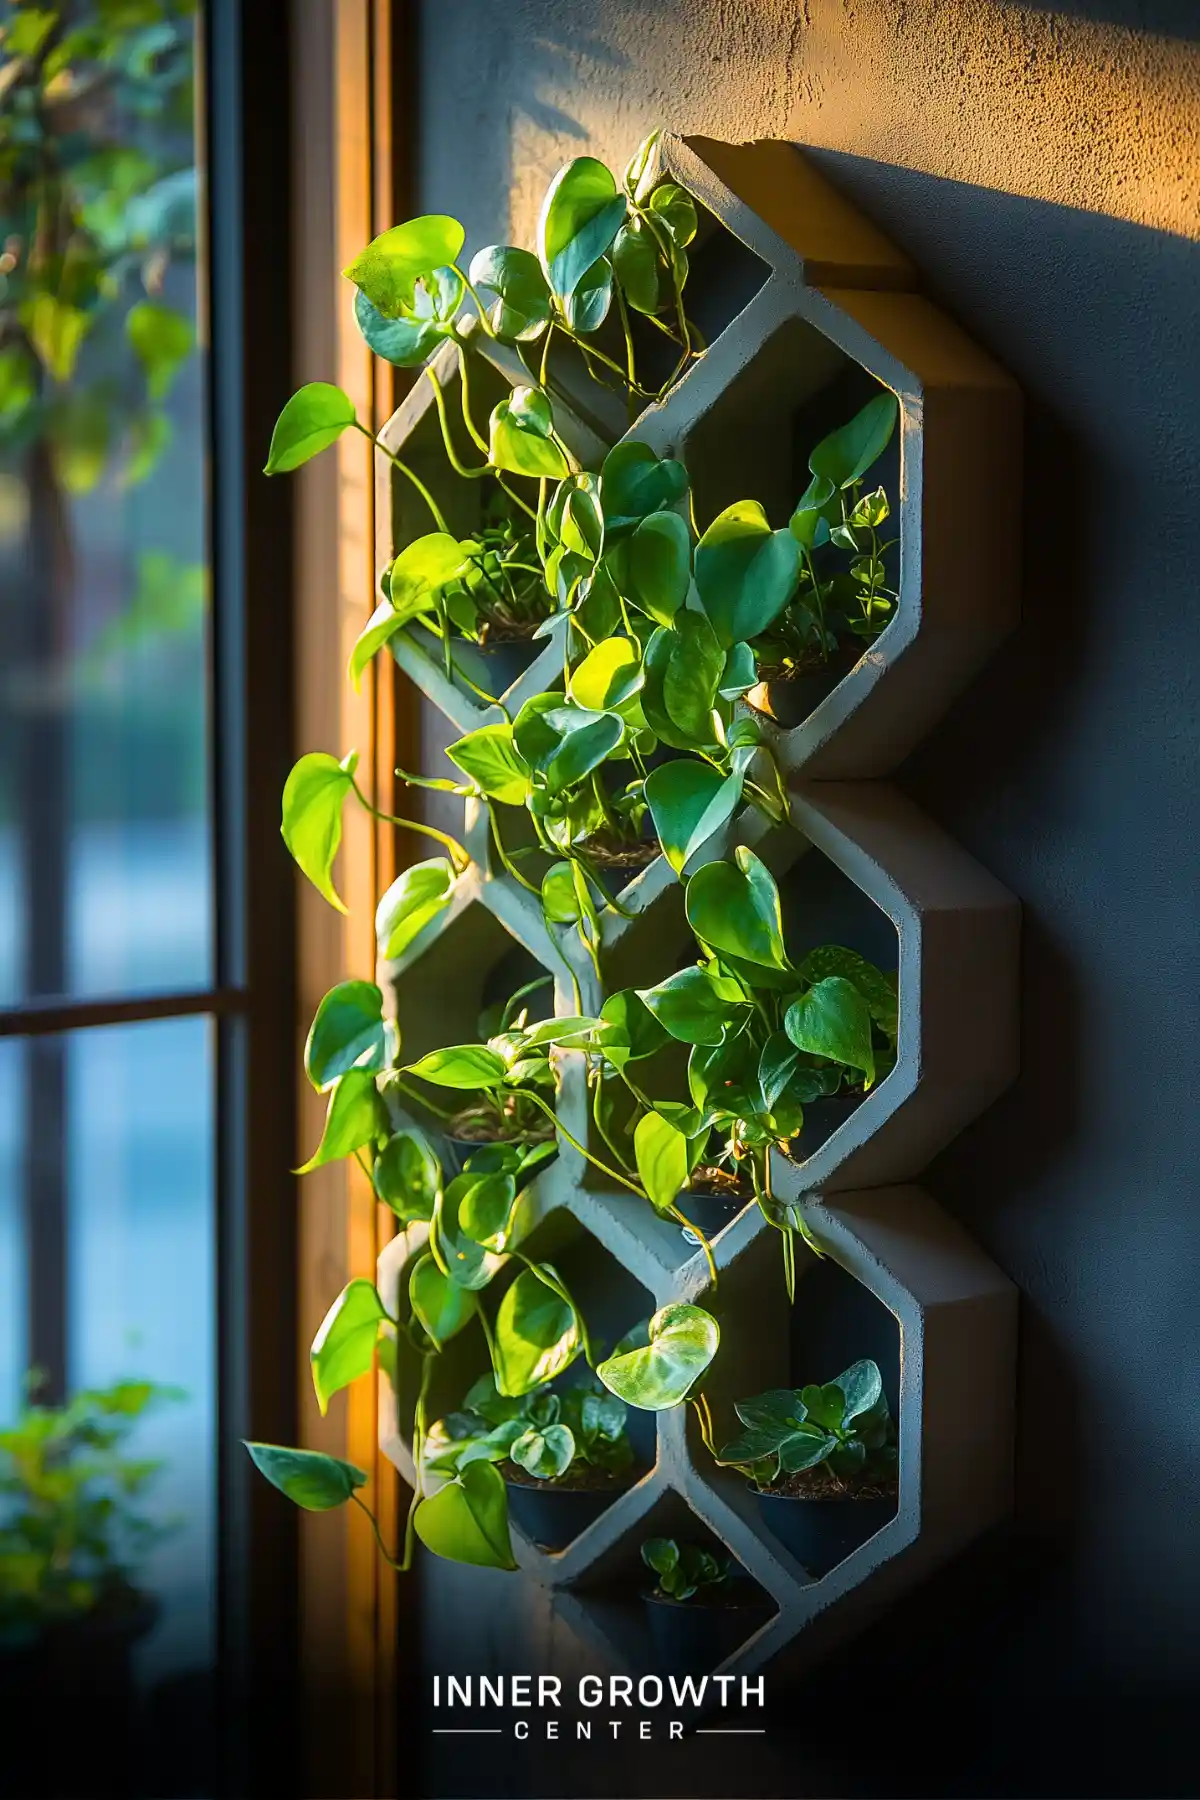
x=660, y=565
x=824, y=1406
x=312, y=816
x=413, y=901
x=776, y=1067
x=587, y=308
x=683, y=664
x=560, y=902
x=806, y=1448
x=407, y=1177
x=636, y=266
x=564, y=742
x=845, y=455
x=608, y=677
x=861, y=1386
x=388, y=269
x=354, y=1118
x=876, y=988
x=641, y=171
x=348, y=1032
x=521, y=308
x=745, y=572
x=661, y=1555
x=661, y=1151
x=56, y=330
x=536, y=1334
x=695, y=1005
x=422, y=568
x=467, y=1520
x=441, y=1306
x=407, y=339
x=634, y=483
x=734, y=908
x=682, y=1342
x=811, y=512
x=487, y=1210
x=630, y=1030
x=739, y=674
x=832, y=1019
x=545, y=1454
x=308, y=1477
x=689, y=801
x=676, y=210
x=466, y=1262
x=493, y=763
x=380, y=628
x=344, y=1347
x=162, y=341
x=313, y=418
x=721, y=1076
x=520, y=436
x=460, y=1066
x=580, y=217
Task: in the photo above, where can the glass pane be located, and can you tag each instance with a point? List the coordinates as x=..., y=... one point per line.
x=132, y=1177
x=104, y=845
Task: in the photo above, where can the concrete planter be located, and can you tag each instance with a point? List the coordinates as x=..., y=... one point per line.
x=835, y=296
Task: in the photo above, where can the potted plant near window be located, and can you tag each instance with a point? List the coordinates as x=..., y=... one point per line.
x=74, y=1537
x=564, y=1457
x=699, y=1610
x=822, y=1463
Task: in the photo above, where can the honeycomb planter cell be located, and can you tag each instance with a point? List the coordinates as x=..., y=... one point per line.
x=511, y=670
x=838, y=309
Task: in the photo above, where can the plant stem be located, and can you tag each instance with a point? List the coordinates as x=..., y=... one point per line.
x=465, y=386
x=531, y=987
x=704, y=1243
x=397, y=462
x=439, y=1112
x=452, y=456
x=458, y=855
x=623, y=309
x=401, y=1567
x=509, y=865
x=516, y=498
x=484, y=320
x=590, y=350
x=604, y=1169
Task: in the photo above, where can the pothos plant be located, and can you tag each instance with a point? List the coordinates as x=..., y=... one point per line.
x=662, y=626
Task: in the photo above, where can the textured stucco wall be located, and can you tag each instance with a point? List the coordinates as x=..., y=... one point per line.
x=1042, y=166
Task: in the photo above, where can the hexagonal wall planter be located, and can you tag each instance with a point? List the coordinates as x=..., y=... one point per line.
x=830, y=294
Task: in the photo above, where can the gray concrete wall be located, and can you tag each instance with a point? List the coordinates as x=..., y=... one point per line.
x=1041, y=165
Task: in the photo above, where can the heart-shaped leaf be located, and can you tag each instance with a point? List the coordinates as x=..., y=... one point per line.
x=661, y=1151
x=690, y=801
x=634, y=483
x=659, y=565
x=608, y=677
x=676, y=209
x=467, y=1520
x=488, y=1207
x=832, y=1019
x=162, y=341
x=388, y=270
x=309, y=1478
x=861, y=1386
x=734, y=908
x=348, y=1032
x=458, y=1255
x=441, y=1306
x=491, y=759
x=580, y=217
x=344, y=1347
x=545, y=1454
x=520, y=310
x=313, y=418
x=682, y=667
x=414, y=900
x=877, y=988
x=422, y=568
x=354, y=1119
x=695, y=1005
x=408, y=338
x=629, y=1031
x=635, y=264
x=587, y=308
x=460, y=1066
x=565, y=742
x=560, y=903
x=682, y=1342
x=407, y=1176
x=845, y=455
x=313, y=796
x=520, y=437
x=536, y=1333
x=745, y=572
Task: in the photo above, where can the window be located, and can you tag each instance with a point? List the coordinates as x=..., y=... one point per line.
x=141, y=1018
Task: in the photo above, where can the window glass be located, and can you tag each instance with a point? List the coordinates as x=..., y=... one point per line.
x=104, y=844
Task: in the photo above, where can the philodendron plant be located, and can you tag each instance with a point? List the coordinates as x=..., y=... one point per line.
x=543, y=1433
x=643, y=745
x=842, y=1427
x=765, y=1038
x=683, y=1570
